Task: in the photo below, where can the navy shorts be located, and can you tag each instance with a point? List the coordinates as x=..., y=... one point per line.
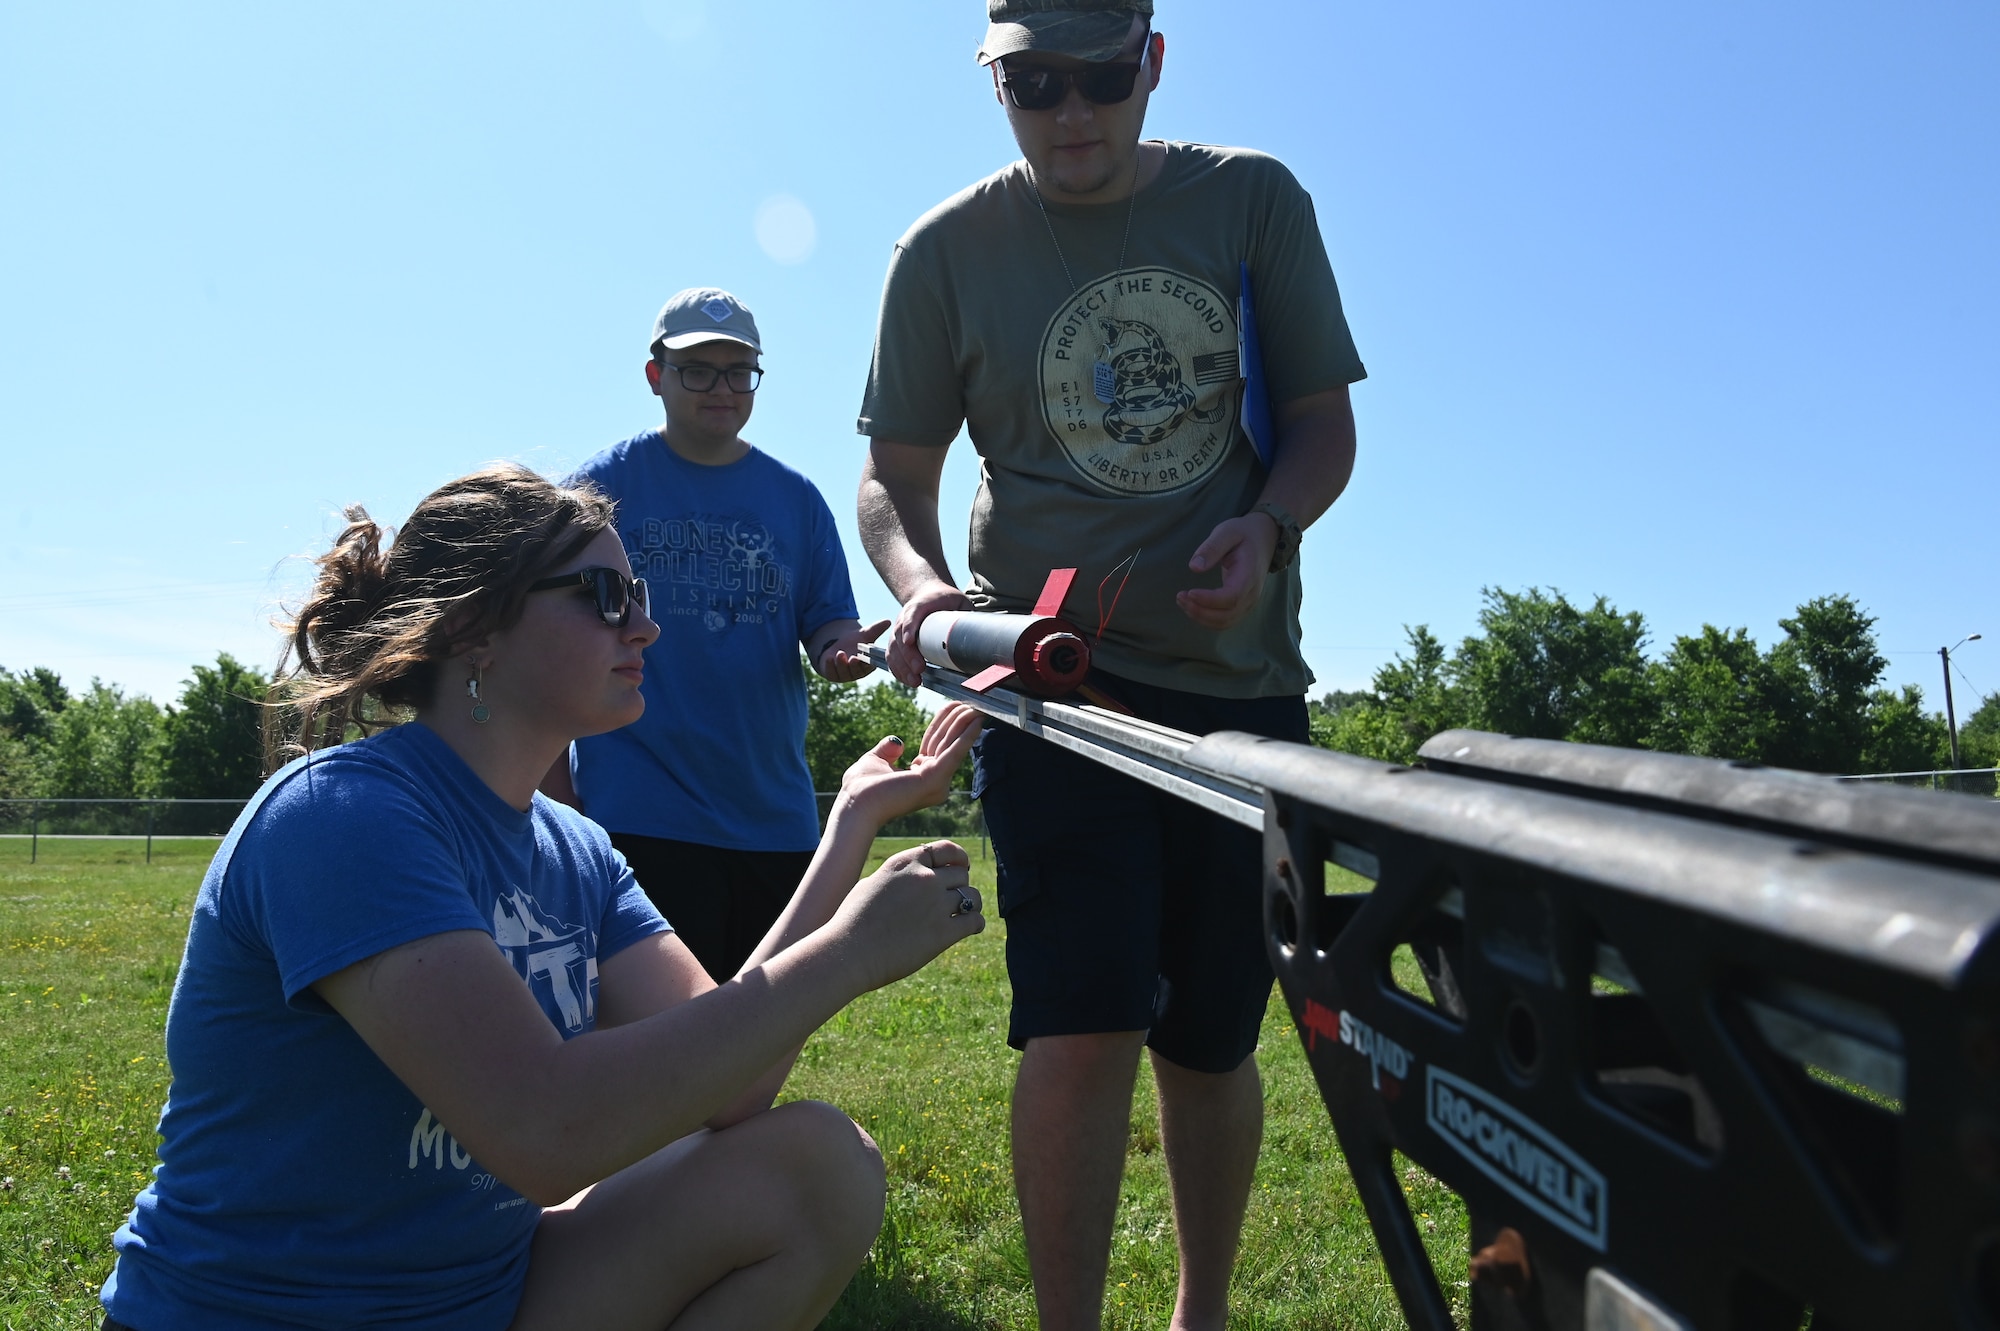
x=721, y=902
x=1128, y=909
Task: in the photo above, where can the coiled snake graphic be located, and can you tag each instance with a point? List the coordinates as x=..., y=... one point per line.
x=1149, y=399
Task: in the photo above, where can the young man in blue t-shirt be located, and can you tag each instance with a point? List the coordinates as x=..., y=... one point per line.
x=708, y=795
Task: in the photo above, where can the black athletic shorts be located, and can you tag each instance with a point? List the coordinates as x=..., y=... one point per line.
x=1128, y=909
x=721, y=902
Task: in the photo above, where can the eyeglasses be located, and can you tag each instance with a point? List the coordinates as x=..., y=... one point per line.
x=699, y=378
x=1107, y=83
x=615, y=593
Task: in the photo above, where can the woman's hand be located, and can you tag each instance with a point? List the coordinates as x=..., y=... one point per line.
x=876, y=789
x=920, y=902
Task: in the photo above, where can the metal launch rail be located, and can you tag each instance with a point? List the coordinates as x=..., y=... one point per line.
x=1153, y=754
x=1702, y=1045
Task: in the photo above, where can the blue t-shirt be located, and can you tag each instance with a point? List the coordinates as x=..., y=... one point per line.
x=300, y=1183
x=742, y=562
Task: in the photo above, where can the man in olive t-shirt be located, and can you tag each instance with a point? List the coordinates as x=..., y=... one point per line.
x=1077, y=313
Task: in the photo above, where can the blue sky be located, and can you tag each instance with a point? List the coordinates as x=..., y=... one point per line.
x=1689, y=305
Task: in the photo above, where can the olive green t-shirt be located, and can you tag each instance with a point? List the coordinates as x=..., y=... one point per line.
x=1106, y=419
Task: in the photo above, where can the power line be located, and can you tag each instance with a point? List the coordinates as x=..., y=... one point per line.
x=1983, y=695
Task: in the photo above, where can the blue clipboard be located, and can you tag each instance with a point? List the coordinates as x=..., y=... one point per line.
x=1256, y=413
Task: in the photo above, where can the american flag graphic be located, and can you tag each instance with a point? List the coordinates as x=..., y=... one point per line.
x=1216, y=367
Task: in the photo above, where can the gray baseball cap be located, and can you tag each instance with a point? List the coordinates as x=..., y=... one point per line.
x=1085, y=29
x=703, y=314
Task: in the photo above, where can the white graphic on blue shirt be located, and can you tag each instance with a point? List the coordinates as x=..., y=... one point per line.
x=431, y=1144
x=723, y=571
x=559, y=961
x=429, y=1141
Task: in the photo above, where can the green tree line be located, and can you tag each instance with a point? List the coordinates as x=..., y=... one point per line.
x=102, y=743
x=1539, y=666
x=844, y=721
x=1545, y=668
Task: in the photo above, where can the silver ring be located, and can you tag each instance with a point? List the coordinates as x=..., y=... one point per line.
x=965, y=904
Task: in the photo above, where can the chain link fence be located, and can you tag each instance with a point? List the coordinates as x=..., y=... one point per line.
x=108, y=818
x=1966, y=781
x=35, y=819
x=958, y=818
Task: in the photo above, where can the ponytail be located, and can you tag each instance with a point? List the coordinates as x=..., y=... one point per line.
x=385, y=611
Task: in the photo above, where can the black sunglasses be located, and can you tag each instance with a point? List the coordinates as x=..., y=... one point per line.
x=1034, y=88
x=615, y=593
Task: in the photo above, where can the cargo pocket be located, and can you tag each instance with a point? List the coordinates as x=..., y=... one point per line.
x=1017, y=884
x=988, y=761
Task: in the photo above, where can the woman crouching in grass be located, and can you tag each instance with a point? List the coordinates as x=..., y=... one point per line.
x=438, y=1063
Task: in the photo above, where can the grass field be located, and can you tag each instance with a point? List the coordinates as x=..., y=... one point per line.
x=90, y=937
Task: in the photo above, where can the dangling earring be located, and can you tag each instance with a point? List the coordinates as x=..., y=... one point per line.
x=480, y=713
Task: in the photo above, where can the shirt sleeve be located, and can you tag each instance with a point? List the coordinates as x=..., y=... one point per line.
x=1301, y=326
x=629, y=914
x=828, y=595
x=914, y=395
x=337, y=867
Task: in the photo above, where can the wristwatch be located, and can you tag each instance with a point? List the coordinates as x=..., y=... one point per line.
x=1288, y=535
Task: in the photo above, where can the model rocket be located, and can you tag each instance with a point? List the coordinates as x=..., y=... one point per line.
x=1039, y=652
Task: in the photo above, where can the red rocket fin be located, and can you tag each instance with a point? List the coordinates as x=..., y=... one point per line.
x=1054, y=590
x=987, y=678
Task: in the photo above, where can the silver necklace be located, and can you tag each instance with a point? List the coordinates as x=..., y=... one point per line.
x=1103, y=379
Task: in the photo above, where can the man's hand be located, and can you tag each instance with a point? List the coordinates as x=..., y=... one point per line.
x=840, y=658
x=906, y=663
x=1241, y=548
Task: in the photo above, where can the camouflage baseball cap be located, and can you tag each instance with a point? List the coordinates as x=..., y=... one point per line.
x=1085, y=29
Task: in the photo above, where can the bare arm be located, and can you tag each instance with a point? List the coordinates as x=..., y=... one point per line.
x=453, y=1021
x=1315, y=454
x=1315, y=459
x=870, y=791
x=898, y=517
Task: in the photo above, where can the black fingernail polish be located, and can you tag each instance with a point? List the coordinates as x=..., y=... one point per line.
x=895, y=739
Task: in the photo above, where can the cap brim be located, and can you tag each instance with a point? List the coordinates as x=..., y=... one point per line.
x=1097, y=36
x=681, y=341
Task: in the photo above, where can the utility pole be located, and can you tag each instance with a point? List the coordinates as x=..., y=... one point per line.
x=1950, y=716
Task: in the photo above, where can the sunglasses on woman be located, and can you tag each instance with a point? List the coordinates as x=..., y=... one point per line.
x=1033, y=88
x=614, y=593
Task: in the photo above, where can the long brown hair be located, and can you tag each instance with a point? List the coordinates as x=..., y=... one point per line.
x=365, y=648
